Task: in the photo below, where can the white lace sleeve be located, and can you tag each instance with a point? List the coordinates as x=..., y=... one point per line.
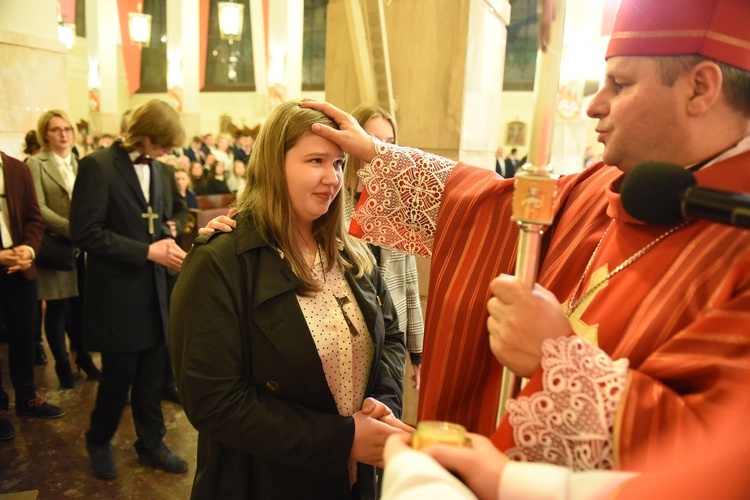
x=569, y=422
x=405, y=188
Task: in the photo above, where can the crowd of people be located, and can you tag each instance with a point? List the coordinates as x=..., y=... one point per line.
x=288, y=348
x=65, y=265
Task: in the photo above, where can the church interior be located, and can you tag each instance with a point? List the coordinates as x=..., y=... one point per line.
x=460, y=76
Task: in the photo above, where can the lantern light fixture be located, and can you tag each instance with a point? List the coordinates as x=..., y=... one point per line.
x=231, y=16
x=139, y=26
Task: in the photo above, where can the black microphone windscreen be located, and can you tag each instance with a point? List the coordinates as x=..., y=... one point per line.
x=652, y=192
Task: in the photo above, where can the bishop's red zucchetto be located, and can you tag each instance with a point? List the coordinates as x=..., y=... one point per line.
x=717, y=29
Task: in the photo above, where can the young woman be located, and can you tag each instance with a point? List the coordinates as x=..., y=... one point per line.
x=283, y=329
x=182, y=178
x=236, y=182
x=399, y=269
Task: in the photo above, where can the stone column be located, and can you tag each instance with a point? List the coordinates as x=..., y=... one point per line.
x=103, y=65
x=446, y=63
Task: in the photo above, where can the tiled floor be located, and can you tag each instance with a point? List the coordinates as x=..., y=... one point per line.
x=49, y=456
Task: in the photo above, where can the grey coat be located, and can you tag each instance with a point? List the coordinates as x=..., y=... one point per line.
x=54, y=201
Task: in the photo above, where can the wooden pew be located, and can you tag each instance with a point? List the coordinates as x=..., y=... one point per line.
x=209, y=206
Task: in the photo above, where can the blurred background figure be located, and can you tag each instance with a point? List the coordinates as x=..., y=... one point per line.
x=31, y=144
x=236, y=182
x=54, y=171
x=399, y=269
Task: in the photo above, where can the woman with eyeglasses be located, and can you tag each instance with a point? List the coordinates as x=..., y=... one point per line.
x=54, y=171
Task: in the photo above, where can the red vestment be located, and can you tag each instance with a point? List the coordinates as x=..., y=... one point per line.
x=680, y=314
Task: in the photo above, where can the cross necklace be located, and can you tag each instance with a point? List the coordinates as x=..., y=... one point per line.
x=150, y=215
x=340, y=301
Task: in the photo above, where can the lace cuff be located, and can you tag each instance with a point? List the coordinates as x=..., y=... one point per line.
x=570, y=421
x=404, y=190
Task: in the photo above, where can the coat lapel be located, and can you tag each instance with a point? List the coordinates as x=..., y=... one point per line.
x=370, y=311
x=156, y=193
x=50, y=168
x=279, y=317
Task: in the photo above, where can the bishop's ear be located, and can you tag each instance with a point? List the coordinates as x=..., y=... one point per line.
x=705, y=80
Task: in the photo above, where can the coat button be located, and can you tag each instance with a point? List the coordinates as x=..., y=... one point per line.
x=272, y=385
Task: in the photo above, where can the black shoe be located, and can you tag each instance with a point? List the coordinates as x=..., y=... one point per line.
x=102, y=460
x=38, y=408
x=170, y=394
x=40, y=357
x=162, y=458
x=85, y=363
x=6, y=428
x=65, y=375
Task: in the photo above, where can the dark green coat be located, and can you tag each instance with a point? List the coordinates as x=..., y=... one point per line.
x=251, y=380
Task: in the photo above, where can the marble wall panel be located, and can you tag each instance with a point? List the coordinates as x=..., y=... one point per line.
x=33, y=79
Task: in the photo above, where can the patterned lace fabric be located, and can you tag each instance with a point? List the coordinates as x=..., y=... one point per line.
x=405, y=188
x=570, y=421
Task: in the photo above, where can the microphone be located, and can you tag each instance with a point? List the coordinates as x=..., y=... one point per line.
x=665, y=194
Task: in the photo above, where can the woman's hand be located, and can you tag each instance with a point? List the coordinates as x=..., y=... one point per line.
x=379, y=411
x=369, y=439
x=416, y=376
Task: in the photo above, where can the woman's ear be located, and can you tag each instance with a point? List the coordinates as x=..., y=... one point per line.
x=705, y=80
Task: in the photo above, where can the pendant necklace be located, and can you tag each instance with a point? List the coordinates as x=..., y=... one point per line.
x=340, y=301
x=573, y=303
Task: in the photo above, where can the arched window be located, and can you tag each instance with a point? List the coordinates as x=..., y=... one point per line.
x=154, y=57
x=229, y=64
x=314, y=45
x=520, y=55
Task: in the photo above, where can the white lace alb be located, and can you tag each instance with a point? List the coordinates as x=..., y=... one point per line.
x=570, y=421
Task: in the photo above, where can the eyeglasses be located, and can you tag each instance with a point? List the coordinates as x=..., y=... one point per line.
x=57, y=130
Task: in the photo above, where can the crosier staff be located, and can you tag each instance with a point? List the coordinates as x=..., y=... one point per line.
x=535, y=185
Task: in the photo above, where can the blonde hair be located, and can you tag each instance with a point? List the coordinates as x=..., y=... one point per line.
x=158, y=121
x=43, y=123
x=363, y=114
x=265, y=198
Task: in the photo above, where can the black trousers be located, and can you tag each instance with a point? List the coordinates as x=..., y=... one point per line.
x=18, y=304
x=144, y=372
x=54, y=327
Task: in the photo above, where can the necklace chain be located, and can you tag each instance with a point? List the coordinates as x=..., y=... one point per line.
x=340, y=301
x=322, y=266
x=573, y=303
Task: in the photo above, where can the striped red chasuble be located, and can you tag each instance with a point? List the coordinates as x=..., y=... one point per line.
x=679, y=316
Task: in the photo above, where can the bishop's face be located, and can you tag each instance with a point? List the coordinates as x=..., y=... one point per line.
x=640, y=118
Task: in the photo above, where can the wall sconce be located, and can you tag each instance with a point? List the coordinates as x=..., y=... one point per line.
x=66, y=33
x=276, y=65
x=139, y=26
x=174, y=70
x=93, y=78
x=231, y=16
